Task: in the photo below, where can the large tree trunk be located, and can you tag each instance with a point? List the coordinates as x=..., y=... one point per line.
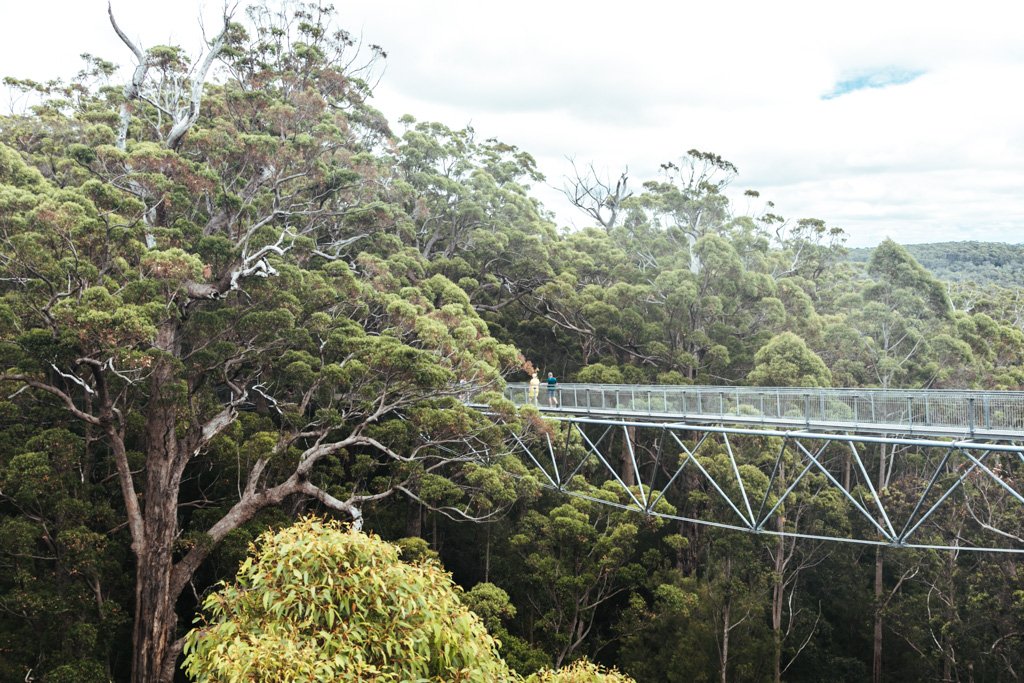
x=155, y=618
x=723, y=661
x=155, y=625
x=778, y=585
x=626, y=470
x=414, y=520
x=876, y=659
x=778, y=600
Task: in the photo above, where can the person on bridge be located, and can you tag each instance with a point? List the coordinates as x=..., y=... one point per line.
x=534, y=389
x=552, y=384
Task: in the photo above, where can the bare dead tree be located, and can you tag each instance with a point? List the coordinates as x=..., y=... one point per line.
x=596, y=196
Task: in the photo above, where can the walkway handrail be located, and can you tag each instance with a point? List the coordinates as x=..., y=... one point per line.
x=936, y=412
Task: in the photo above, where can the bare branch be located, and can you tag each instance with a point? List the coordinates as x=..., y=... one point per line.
x=74, y=378
x=133, y=87
x=182, y=125
x=330, y=501
x=596, y=197
x=69, y=403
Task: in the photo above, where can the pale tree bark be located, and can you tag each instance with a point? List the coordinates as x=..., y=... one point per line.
x=778, y=598
x=184, y=115
x=133, y=88
x=723, y=661
x=189, y=114
x=597, y=197
x=876, y=656
x=789, y=559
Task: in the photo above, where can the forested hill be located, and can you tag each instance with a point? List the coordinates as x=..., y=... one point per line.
x=980, y=262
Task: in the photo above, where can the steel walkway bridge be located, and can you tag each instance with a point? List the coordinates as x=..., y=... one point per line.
x=929, y=469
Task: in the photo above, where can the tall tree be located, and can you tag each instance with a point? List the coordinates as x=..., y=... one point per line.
x=179, y=281
x=690, y=202
x=891, y=323
x=581, y=555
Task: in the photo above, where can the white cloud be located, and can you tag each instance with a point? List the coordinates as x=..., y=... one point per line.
x=637, y=84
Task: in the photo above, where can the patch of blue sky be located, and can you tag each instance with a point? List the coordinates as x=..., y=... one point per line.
x=878, y=78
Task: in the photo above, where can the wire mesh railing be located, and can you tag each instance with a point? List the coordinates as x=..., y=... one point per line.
x=995, y=414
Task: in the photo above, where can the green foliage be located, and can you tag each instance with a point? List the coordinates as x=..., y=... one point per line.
x=580, y=671
x=228, y=324
x=598, y=373
x=319, y=603
x=83, y=672
x=896, y=270
x=983, y=263
x=291, y=295
x=578, y=555
x=785, y=361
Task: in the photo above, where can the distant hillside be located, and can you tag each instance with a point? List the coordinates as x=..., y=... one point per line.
x=980, y=262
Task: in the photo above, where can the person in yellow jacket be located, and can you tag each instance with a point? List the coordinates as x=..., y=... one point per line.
x=534, y=392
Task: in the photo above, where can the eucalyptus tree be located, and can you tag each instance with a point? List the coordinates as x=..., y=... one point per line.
x=63, y=590
x=182, y=296
x=374, y=617
x=371, y=616
x=960, y=612
x=786, y=361
x=469, y=211
x=664, y=635
x=710, y=272
x=807, y=247
x=981, y=351
x=582, y=557
x=811, y=507
x=890, y=333
x=892, y=319
x=689, y=201
x=956, y=616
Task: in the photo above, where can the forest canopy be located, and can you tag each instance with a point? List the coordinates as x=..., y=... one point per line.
x=982, y=263
x=232, y=294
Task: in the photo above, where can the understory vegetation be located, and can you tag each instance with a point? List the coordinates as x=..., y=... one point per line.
x=234, y=296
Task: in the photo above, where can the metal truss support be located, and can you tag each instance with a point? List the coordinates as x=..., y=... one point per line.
x=945, y=471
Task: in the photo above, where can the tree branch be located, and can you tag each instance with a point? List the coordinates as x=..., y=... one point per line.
x=133, y=87
x=69, y=403
x=182, y=125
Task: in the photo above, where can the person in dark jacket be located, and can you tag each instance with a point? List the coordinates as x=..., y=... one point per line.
x=552, y=384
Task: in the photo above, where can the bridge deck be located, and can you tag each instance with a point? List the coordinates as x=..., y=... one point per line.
x=996, y=415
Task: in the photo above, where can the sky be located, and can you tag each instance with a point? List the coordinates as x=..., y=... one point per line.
x=886, y=119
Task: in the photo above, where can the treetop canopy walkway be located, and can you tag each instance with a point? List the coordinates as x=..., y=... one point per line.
x=994, y=415
x=930, y=469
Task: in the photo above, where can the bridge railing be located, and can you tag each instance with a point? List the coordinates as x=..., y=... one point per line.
x=954, y=413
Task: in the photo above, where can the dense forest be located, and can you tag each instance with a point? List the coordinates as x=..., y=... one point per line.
x=982, y=263
x=234, y=296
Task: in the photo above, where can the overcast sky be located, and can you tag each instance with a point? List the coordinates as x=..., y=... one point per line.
x=895, y=118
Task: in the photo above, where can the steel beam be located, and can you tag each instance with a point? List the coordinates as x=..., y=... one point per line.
x=974, y=452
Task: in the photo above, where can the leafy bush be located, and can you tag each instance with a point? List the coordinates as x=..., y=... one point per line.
x=315, y=602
